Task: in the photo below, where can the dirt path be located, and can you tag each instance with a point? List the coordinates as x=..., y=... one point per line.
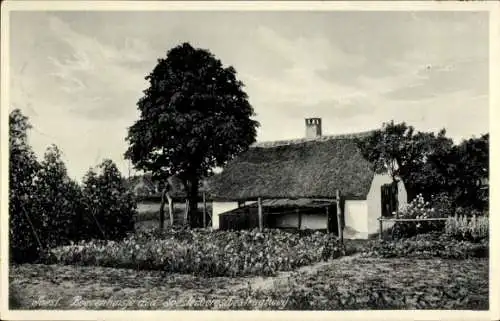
x=266, y=283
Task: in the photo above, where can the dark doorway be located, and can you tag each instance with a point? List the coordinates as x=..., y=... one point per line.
x=389, y=199
x=333, y=225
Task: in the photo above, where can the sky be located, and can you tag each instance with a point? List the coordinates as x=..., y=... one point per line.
x=78, y=75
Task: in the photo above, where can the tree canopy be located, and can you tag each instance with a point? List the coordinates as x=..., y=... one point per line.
x=47, y=208
x=194, y=117
x=428, y=163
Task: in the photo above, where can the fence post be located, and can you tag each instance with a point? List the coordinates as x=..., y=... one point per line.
x=380, y=227
x=259, y=205
x=299, y=214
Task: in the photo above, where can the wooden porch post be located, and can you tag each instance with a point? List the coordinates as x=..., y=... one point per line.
x=259, y=205
x=339, y=218
x=380, y=227
x=299, y=214
x=327, y=220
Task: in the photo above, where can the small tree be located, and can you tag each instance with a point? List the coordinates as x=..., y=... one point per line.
x=194, y=117
x=24, y=242
x=109, y=204
x=57, y=200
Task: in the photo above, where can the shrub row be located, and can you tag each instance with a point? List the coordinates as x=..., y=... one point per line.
x=48, y=208
x=465, y=228
x=205, y=252
x=461, y=224
x=430, y=245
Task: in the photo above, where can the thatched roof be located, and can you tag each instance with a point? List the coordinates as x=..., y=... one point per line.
x=144, y=182
x=303, y=168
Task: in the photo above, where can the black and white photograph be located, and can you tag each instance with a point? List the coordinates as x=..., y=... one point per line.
x=227, y=157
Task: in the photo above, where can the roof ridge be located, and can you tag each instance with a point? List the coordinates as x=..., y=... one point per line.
x=285, y=142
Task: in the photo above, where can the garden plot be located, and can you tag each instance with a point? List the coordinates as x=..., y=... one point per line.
x=206, y=252
x=345, y=283
x=204, y=269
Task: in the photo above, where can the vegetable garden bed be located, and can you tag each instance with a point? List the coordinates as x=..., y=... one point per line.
x=205, y=252
x=346, y=283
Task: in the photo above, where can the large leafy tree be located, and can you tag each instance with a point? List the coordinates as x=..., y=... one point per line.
x=409, y=155
x=194, y=117
x=430, y=164
x=471, y=158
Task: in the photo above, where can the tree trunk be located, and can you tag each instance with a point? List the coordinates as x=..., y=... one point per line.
x=186, y=212
x=162, y=208
x=170, y=209
x=194, y=218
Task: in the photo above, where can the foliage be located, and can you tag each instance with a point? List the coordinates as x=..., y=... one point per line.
x=354, y=283
x=206, y=252
x=109, y=205
x=430, y=245
x=392, y=284
x=472, y=164
x=406, y=154
x=47, y=208
x=443, y=204
x=430, y=164
x=43, y=201
x=464, y=228
x=418, y=208
x=57, y=201
x=193, y=117
x=23, y=168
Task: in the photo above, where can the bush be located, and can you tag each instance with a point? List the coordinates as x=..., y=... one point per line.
x=205, y=252
x=109, y=205
x=469, y=212
x=430, y=245
x=443, y=204
x=463, y=228
x=418, y=208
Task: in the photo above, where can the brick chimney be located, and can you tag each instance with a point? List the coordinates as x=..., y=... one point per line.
x=313, y=127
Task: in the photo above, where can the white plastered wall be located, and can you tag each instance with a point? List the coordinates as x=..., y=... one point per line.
x=219, y=208
x=375, y=204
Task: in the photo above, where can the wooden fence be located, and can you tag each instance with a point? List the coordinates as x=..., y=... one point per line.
x=397, y=219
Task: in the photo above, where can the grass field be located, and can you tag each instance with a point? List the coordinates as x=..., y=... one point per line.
x=347, y=283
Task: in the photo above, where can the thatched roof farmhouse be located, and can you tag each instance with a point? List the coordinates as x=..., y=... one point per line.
x=313, y=168
x=296, y=169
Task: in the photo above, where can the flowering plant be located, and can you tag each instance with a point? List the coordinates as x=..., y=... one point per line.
x=418, y=208
x=467, y=228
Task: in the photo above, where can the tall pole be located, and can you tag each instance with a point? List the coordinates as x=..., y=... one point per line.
x=259, y=205
x=339, y=218
x=327, y=220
